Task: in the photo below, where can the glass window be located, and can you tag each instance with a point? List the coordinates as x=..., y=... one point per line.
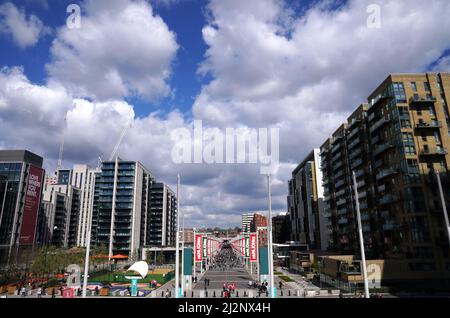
x=426, y=85
x=414, y=86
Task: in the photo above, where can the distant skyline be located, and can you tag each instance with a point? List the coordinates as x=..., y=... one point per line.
x=301, y=66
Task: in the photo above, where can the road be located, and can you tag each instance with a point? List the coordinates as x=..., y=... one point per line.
x=217, y=278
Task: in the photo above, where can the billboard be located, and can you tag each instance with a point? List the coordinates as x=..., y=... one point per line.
x=253, y=248
x=31, y=206
x=198, y=247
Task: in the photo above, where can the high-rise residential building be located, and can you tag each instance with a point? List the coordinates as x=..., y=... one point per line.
x=281, y=228
x=395, y=145
x=120, y=207
x=189, y=236
x=21, y=188
x=162, y=216
x=82, y=177
x=306, y=205
x=60, y=213
x=246, y=222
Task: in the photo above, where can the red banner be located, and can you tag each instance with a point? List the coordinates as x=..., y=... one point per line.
x=31, y=206
x=198, y=248
x=253, y=248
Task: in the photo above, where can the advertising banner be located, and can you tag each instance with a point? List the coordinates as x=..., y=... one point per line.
x=205, y=247
x=209, y=247
x=247, y=246
x=253, y=248
x=31, y=206
x=243, y=246
x=198, y=247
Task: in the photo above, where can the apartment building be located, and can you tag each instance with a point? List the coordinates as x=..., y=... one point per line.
x=246, y=222
x=120, y=206
x=394, y=145
x=162, y=216
x=59, y=215
x=306, y=204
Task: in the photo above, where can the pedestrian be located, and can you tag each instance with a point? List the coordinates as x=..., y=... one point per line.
x=23, y=291
x=167, y=293
x=39, y=292
x=96, y=290
x=53, y=293
x=281, y=285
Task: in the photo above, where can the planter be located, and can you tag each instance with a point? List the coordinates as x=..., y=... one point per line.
x=104, y=291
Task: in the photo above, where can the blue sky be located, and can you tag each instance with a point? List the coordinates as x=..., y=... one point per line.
x=299, y=66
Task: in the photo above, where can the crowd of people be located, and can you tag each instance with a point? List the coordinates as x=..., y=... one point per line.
x=225, y=260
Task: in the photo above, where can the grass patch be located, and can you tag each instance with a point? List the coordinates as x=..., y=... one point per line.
x=278, y=273
x=286, y=278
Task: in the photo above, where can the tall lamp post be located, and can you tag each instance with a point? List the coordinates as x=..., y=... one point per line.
x=269, y=230
x=177, y=242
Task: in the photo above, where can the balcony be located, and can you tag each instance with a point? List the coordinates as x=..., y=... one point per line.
x=390, y=226
x=379, y=124
x=343, y=211
x=353, y=133
x=362, y=195
x=355, y=154
x=354, y=143
x=438, y=151
x=365, y=228
x=341, y=192
x=340, y=183
x=337, y=157
x=386, y=173
x=378, y=99
x=388, y=199
x=382, y=148
x=365, y=217
x=343, y=221
x=338, y=165
x=356, y=163
x=417, y=100
x=426, y=125
x=381, y=188
x=336, y=147
x=359, y=173
x=341, y=202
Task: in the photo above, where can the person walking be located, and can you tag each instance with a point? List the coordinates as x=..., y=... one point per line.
x=39, y=292
x=53, y=293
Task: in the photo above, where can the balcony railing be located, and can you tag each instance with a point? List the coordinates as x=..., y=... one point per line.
x=379, y=98
x=420, y=99
x=432, y=124
x=386, y=173
x=382, y=148
x=434, y=152
x=343, y=221
x=388, y=199
x=379, y=124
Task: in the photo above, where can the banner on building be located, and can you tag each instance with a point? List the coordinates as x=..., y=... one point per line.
x=243, y=246
x=198, y=247
x=253, y=248
x=31, y=206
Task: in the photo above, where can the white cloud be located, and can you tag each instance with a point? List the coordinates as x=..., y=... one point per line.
x=24, y=31
x=122, y=49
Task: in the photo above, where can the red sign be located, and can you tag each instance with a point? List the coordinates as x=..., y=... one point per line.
x=198, y=248
x=253, y=249
x=68, y=293
x=31, y=206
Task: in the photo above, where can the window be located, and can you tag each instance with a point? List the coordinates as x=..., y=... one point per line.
x=426, y=85
x=399, y=92
x=414, y=86
x=410, y=150
x=405, y=123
